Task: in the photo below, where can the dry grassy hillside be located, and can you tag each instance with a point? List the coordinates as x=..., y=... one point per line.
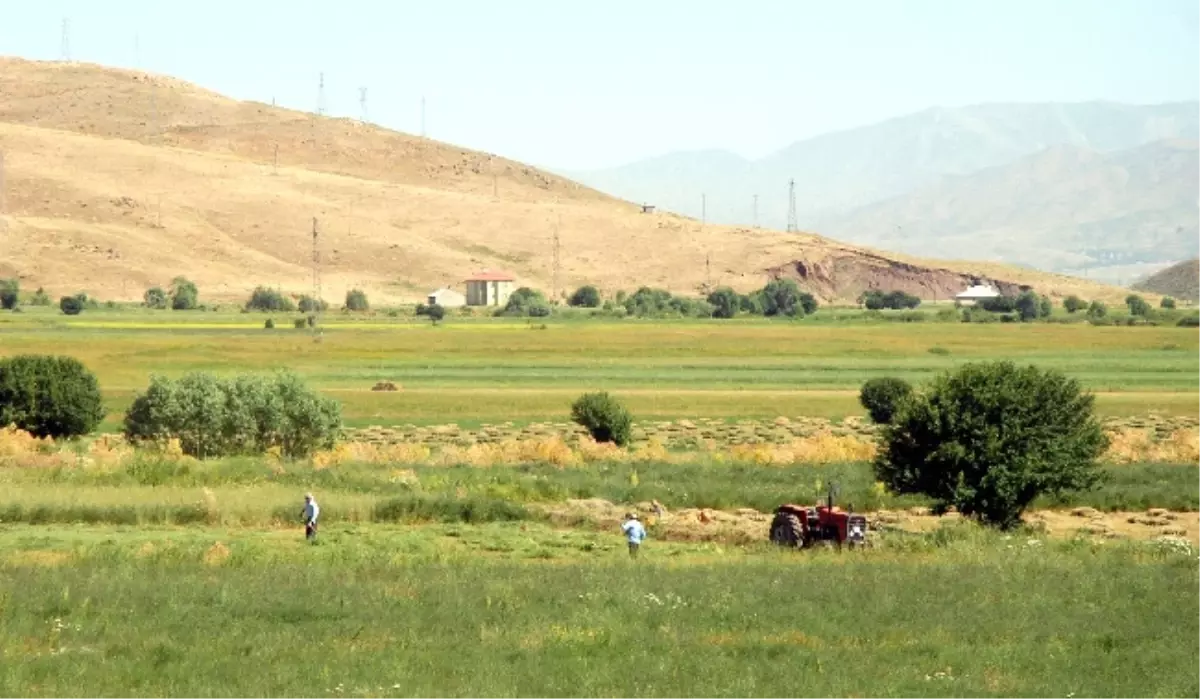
x=116, y=181
x=1180, y=280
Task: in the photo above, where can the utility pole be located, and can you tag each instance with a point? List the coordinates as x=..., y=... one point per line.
x=65, y=44
x=557, y=260
x=703, y=209
x=3, y=199
x=316, y=281
x=422, y=116
x=792, y=225
x=756, y=211
x=362, y=102
x=492, y=161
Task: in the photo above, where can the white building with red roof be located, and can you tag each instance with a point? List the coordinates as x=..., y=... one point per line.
x=489, y=288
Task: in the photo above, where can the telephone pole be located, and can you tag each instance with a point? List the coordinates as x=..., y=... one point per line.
x=65, y=45
x=422, y=116
x=362, y=102
x=756, y=211
x=3, y=200
x=316, y=281
x=557, y=221
x=792, y=226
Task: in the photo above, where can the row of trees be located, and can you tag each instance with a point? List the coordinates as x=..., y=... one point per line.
x=780, y=297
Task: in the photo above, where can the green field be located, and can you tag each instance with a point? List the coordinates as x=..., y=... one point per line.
x=130, y=572
x=487, y=370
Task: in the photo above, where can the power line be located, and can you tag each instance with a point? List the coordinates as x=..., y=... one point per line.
x=792, y=225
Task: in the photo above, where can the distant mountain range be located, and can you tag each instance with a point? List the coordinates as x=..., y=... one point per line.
x=1098, y=186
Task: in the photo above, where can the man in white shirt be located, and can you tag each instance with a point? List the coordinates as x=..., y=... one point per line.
x=310, y=514
x=635, y=533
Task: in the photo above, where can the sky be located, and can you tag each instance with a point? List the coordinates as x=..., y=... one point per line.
x=584, y=84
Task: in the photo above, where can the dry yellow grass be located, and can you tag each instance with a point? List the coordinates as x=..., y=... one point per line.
x=102, y=201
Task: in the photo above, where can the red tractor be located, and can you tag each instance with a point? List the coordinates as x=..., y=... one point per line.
x=804, y=527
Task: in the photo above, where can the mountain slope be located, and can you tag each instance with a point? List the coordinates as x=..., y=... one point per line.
x=847, y=169
x=99, y=200
x=1181, y=281
x=1066, y=208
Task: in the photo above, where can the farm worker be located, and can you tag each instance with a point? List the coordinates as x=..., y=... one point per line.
x=635, y=532
x=310, y=514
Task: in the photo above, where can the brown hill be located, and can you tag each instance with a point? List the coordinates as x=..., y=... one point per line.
x=1180, y=280
x=115, y=181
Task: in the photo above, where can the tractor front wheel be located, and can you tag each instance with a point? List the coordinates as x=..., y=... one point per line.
x=786, y=530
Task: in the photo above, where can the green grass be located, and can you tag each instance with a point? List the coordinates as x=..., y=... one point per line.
x=524, y=610
x=492, y=370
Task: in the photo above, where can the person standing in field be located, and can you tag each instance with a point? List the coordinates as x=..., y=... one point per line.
x=635, y=532
x=310, y=514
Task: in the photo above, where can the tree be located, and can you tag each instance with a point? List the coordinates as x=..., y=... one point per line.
x=1097, y=309
x=40, y=298
x=1045, y=307
x=526, y=302
x=308, y=304
x=990, y=437
x=781, y=297
x=999, y=304
x=1074, y=304
x=604, y=417
x=246, y=414
x=1137, y=305
x=264, y=299
x=49, y=396
x=154, y=297
x=1028, y=306
x=184, y=295
x=10, y=293
x=808, y=303
x=585, y=297
x=725, y=302
x=72, y=305
x=435, y=312
x=751, y=303
x=1167, y=303
x=356, y=300
x=881, y=397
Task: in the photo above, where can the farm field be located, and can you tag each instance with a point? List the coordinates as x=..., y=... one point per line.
x=469, y=539
x=472, y=371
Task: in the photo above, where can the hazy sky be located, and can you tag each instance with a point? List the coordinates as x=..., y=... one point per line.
x=574, y=84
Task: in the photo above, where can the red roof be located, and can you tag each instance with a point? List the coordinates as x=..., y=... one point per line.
x=486, y=276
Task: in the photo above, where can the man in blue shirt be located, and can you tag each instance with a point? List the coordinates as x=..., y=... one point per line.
x=635, y=532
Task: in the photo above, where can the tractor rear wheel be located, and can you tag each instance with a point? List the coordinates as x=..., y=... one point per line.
x=786, y=530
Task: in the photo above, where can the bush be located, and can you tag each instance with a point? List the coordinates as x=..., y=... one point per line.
x=10, y=293
x=526, y=302
x=40, y=298
x=435, y=312
x=988, y=438
x=999, y=304
x=585, y=297
x=49, y=396
x=184, y=295
x=246, y=414
x=1191, y=321
x=270, y=324
x=73, y=305
x=1074, y=304
x=725, y=302
x=264, y=299
x=1028, y=306
x=356, y=300
x=882, y=396
x=155, y=297
x=308, y=304
x=751, y=303
x=1097, y=309
x=604, y=417
x=1167, y=303
x=876, y=300
x=1045, y=307
x=300, y=323
x=1137, y=306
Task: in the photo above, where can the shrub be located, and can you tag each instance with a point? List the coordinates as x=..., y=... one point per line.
x=1074, y=304
x=604, y=417
x=72, y=305
x=435, y=312
x=1028, y=306
x=526, y=302
x=10, y=293
x=1167, y=303
x=988, y=438
x=40, y=298
x=246, y=414
x=1097, y=309
x=999, y=304
x=49, y=396
x=300, y=323
x=1191, y=321
x=875, y=300
x=725, y=302
x=585, y=297
x=184, y=295
x=155, y=297
x=356, y=300
x=1045, y=307
x=308, y=304
x=751, y=303
x=882, y=396
x=264, y=299
x=270, y=324
x=1137, y=306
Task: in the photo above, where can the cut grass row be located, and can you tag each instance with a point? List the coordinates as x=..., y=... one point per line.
x=514, y=610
